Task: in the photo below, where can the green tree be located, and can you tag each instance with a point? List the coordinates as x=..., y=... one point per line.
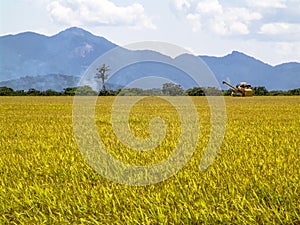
x=227, y=92
x=260, y=91
x=19, y=93
x=102, y=74
x=212, y=91
x=172, y=89
x=276, y=93
x=86, y=91
x=81, y=90
x=6, y=91
x=70, y=91
x=33, y=92
x=294, y=92
x=50, y=92
x=109, y=92
x=196, y=91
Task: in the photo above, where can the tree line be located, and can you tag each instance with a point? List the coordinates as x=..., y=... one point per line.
x=168, y=89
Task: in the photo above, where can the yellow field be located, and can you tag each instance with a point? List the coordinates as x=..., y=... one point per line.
x=254, y=180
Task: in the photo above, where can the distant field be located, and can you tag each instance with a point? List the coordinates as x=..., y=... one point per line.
x=255, y=179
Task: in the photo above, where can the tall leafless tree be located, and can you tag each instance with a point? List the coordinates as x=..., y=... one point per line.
x=102, y=74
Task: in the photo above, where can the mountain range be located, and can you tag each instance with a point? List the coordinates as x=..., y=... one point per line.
x=31, y=60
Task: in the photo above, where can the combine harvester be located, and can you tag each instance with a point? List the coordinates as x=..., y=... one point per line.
x=241, y=90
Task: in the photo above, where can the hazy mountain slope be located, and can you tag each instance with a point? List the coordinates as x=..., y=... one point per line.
x=71, y=51
x=237, y=67
x=56, y=82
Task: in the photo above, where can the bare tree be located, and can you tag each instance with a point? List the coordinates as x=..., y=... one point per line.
x=101, y=74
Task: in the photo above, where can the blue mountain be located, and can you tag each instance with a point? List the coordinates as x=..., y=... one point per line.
x=238, y=66
x=69, y=52
x=43, y=62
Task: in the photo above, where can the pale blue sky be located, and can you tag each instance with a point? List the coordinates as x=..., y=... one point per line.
x=267, y=29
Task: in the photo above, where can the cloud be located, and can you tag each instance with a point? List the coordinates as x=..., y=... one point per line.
x=287, y=31
x=252, y=19
x=209, y=7
x=267, y=3
x=212, y=16
x=288, y=50
x=195, y=21
x=98, y=13
x=181, y=5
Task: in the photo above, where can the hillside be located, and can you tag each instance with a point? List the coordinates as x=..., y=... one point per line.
x=27, y=57
x=68, y=52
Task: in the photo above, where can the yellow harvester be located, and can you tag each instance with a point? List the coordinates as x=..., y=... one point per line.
x=242, y=90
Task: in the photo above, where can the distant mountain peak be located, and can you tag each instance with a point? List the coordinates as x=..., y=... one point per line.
x=234, y=52
x=73, y=50
x=74, y=31
x=240, y=56
x=25, y=34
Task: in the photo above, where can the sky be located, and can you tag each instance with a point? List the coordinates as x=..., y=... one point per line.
x=268, y=30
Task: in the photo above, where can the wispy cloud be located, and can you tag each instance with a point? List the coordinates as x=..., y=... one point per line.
x=287, y=31
x=98, y=13
x=212, y=16
x=250, y=18
x=267, y=3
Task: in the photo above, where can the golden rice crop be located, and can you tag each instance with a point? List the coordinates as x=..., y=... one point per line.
x=254, y=180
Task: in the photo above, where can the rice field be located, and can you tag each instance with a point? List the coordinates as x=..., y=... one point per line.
x=255, y=179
